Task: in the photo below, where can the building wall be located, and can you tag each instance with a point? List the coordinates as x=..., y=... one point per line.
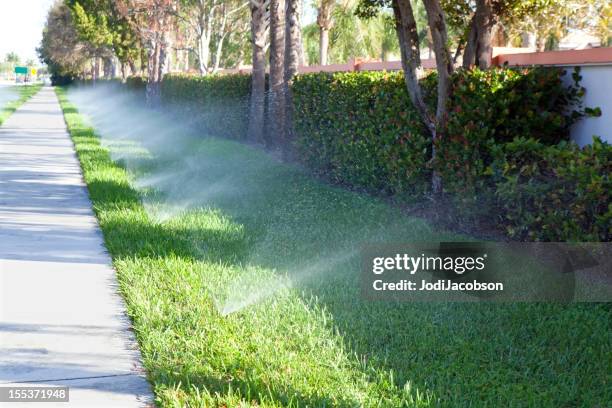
x=597, y=80
x=596, y=71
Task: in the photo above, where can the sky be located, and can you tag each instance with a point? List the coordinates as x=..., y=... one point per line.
x=22, y=22
x=21, y=25
x=309, y=13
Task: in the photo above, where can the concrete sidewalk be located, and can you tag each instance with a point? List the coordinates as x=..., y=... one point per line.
x=62, y=321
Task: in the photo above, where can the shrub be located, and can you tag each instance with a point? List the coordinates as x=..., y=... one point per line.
x=136, y=83
x=505, y=126
x=361, y=129
x=494, y=107
x=137, y=86
x=216, y=104
x=555, y=193
x=61, y=80
x=504, y=154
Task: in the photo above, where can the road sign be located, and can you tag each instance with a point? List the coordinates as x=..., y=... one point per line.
x=33, y=71
x=21, y=70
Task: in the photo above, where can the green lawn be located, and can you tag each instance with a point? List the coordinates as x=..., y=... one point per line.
x=22, y=94
x=232, y=226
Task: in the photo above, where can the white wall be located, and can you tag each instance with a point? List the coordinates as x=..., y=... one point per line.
x=597, y=79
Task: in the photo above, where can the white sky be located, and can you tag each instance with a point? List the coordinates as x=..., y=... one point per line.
x=21, y=25
x=22, y=22
x=309, y=13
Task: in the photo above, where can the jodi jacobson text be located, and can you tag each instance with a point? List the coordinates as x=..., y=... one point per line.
x=440, y=285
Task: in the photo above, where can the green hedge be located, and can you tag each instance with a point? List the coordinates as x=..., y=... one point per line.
x=137, y=85
x=215, y=104
x=555, y=193
x=505, y=155
x=360, y=129
x=494, y=107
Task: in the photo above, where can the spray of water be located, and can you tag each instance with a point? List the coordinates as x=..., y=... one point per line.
x=179, y=172
x=137, y=136
x=239, y=298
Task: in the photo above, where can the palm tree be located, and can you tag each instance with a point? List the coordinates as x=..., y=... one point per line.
x=325, y=23
x=293, y=49
x=276, y=100
x=259, y=28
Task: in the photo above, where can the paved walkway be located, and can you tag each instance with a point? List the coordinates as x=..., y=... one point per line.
x=61, y=319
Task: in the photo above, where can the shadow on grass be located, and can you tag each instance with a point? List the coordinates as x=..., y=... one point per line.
x=131, y=235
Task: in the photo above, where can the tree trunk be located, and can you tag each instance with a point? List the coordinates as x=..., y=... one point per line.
x=540, y=43
x=469, y=55
x=220, y=42
x=203, y=53
x=499, y=36
x=444, y=66
x=116, y=63
x=218, y=54
x=155, y=69
x=276, y=111
x=325, y=23
x=96, y=69
x=407, y=33
x=186, y=61
x=164, y=57
x=293, y=55
x=528, y=40
x=105, y=68
x=411, y=64
x=479, y=51
x=258, y=82
x=109, y=67
x=144, y=60
x=485, y=22
x=151, y=91
x=323, y=45
x=293, y=39
x=132, y=65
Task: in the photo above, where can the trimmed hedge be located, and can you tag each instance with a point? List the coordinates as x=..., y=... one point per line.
x=137, y=86
x=136, y=83
x=361, y=129
x=505, y=154
x=494, y=107
x=216, y=104
x=555, y=193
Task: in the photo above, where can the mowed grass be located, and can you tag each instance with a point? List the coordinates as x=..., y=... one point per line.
x=255, y=222
x=22, y=94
